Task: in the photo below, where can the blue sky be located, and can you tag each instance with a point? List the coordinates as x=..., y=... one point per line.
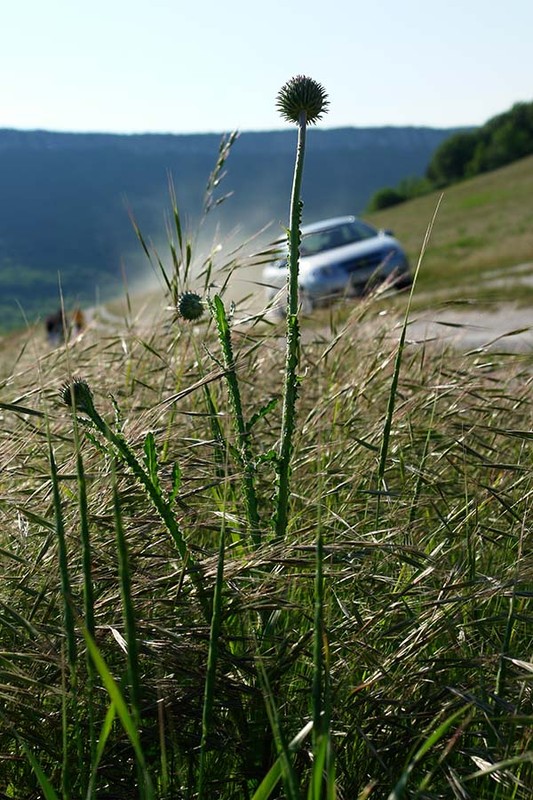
x=212, y=66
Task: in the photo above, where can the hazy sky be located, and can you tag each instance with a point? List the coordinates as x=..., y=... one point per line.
x=184, y=66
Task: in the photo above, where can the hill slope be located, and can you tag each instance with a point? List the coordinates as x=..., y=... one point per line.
x=483, y=231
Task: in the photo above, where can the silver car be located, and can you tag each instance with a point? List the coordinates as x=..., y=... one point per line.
x=343, y=256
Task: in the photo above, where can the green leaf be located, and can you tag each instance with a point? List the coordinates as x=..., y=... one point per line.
x=8, y=554
x=273, y=776
x=314, y=791
x=21, y=409
x=104, y=735
x=121, y=708
x=269, y=456
x=220, y=315
x=269, y=782
x=176, y=483
x=151, y=462
x=36, y=518
x=263, y=412
x=48, y=790
x=424, y=748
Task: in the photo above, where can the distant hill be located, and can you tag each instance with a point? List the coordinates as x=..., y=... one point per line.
x=64, y=197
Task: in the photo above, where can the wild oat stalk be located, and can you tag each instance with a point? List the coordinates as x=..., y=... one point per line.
x=303, y=101
x=384, y=451
x=323, y=770
x=181, y=245
x=88, y=594
x=128, y=611
x=70, y=633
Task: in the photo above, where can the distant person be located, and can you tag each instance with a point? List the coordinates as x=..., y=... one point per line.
x=54, y=327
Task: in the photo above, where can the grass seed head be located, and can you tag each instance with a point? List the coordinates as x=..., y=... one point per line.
x=302, y=95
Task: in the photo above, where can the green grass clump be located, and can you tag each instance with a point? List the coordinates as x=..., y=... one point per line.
x=419, y=627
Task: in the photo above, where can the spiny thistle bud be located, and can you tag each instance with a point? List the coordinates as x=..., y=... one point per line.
x=77, y=394
x=302, y=95
x=190, y=306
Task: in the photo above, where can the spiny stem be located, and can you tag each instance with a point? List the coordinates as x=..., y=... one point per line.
x=292, y=358
x=301, y=100
x=244, y=453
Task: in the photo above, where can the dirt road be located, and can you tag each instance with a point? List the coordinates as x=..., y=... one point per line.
x=507, y=328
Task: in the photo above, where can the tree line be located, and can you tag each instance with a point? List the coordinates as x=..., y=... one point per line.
x=502, y=140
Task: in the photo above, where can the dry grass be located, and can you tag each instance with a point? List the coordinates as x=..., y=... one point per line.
x=426, y=604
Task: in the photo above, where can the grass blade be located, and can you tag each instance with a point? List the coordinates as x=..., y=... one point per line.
x=241, y=430
x=433, y=739
x=274, y=774
x=127, y=607
x=209, y=691
x=396, y=372
x=126, y=719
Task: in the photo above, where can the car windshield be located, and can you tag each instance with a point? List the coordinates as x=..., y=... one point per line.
x=337, y=236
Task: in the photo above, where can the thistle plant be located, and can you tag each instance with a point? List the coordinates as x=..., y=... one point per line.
x=303, y=101
x=242, y=429
x=77, y=394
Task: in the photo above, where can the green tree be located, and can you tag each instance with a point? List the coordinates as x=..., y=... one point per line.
x=502, y=140
x=385, y=198
x=450, y=161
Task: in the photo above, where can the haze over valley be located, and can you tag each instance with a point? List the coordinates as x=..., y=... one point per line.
x=66, y=198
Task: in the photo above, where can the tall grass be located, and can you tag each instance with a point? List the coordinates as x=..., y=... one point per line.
x=159, y=640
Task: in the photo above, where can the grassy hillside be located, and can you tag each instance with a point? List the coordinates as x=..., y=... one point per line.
x=484, y=228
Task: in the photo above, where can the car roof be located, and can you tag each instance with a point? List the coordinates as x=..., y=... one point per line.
x=325, y=224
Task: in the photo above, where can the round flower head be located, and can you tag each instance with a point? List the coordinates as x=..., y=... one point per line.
x=77, y=393
x=190, y=306
x=302, y=95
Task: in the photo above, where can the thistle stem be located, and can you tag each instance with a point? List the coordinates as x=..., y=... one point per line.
x=242, y=433
x=292, y=359
x=163, y=507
